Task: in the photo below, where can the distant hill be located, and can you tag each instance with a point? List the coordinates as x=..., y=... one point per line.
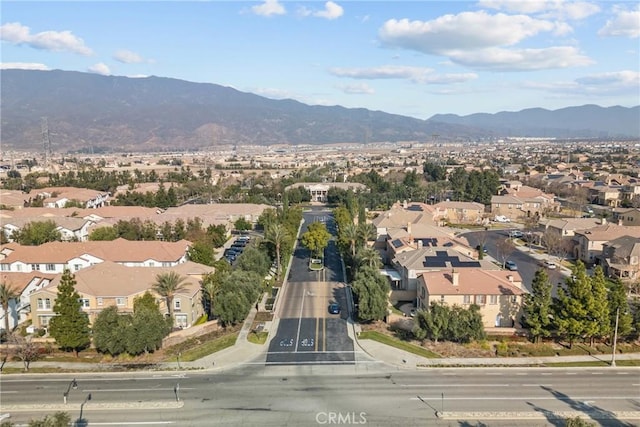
x=110, y=113
x=588, y=121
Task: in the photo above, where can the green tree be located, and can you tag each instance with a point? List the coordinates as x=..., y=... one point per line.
x=7, y=293
x=316, y=238
x=349, y=234
x=254, y=260
x=109, y=331
x=232, y=307
x=58, y=419
x=211, y=285
x=371, y=290
x=37, y=232
x=599, y=315
x=70, y=326
x=167, y=285
x=538, y=306
x=201, y=252
x=148, y=326
x=619, y=305
x=368, y=257
x=278, y=235
x=242, y=224
x=572, y=306
x=103, y=233
x=432, y=323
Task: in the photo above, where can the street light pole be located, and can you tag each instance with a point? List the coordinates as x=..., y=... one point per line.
x=73, y=384
x=615, y=340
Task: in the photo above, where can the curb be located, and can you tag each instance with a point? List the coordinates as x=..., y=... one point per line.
x=47, y=407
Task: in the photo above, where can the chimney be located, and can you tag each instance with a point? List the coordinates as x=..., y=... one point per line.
x=419, y=244
x=510, y=278
x=409, y=228
x=603, y=221
x=455, y=278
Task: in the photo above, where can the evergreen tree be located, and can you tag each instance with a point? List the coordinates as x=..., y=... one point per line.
x=538, y=306
x=70, y=326
x=371, y=289
x=571, y=308
x=109, y=331
x=148, y=326
x=619, y=305
x=600, y=322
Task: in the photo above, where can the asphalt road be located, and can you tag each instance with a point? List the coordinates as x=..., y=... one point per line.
x=527, y=265
x=307, y=395
x=307, y=333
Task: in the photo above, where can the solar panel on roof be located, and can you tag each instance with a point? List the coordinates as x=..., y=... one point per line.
x=397, y=243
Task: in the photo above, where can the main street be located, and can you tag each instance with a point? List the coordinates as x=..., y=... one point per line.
x=305, y=395
x=307, y=332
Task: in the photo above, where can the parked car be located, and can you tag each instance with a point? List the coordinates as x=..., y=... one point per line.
x=510, y=265
x=516, y=234
x=550, y=265
x=501, y=218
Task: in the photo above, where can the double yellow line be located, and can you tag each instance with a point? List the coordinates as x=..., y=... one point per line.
x=324, y=333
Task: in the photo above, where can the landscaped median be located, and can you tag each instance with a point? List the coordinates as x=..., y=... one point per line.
x=204, y=349
x=399, y=344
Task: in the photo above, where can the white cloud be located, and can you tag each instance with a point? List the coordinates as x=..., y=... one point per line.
x=604, y=84
x=482, y=40
x=465, y=31
x=128, y=57
x=269, y=8
x=55, y=41
x=357, y=89
x=100, y=68
x=625, y=24
x=331, y=11
x=414, y=74
x=574, y=10
x=522, y=59
x=23, y=66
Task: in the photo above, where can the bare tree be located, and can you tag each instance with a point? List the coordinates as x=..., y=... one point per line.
x=25, y=349
x=551, y=240
x=505, y=248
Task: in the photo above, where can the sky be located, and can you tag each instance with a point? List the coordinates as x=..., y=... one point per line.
x=413, y=58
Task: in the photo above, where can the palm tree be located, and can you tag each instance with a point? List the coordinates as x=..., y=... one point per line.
x=277, y=234
x=350, y=234
x=211, y=284
x=369, y=257
x=167, y=285
x=7, y=293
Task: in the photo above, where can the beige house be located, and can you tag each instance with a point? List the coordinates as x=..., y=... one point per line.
x=621, y=258
x=459, y=212
x=319, y=190
x=629, y=217
x=55, y=257
x=589, y=243
x=498, y=293
x=107, y=284
x=520, y=201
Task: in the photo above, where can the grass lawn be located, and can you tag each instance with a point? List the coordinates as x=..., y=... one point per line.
x=258, y=337
x=394, y=342
x=207, y=348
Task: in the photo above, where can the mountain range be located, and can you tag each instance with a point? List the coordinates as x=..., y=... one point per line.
x=111, y=113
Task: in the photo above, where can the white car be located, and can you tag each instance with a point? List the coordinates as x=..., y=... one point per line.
x=501, y=218
x=550, y=265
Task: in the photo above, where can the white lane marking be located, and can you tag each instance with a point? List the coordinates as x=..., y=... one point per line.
x=537, y=385
x=572, y=373
x=8, y=391
x=623, y=373
x=304, y=291
x=596, y=373
x=438, y=397
x=546, y=373
x=80, y=378
x=313, y=352
x=454, y=385
x=97, y=390
x=495, y=373
x=522, y=373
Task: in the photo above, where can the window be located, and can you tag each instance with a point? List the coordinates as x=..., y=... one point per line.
x=166, y=264
x=76, y=267
x=35, y=267
x=481, y=299
x=514, y=299
x=152, y=264
x=51, y=267
x=466, y=299
x=100, y=301
x=44, y=304
x=442, y=298
x=493, y=299
x=84, y=303
x=176, y=304
x=4, y=267
x=120, y=301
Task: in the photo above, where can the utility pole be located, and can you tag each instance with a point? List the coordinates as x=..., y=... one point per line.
x=46, y=143
x=615, y=340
